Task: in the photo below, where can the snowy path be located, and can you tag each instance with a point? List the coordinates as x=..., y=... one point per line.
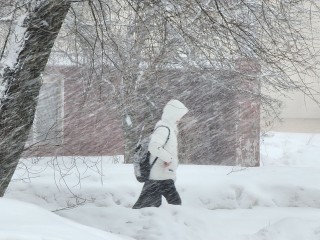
x=170, y=222
x=278, y=201
x=216, y=204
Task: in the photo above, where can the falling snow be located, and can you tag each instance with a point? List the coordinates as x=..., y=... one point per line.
x=278, y=200
x=83, y=82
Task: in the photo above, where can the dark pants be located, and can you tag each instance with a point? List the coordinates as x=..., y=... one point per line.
x=152, y=192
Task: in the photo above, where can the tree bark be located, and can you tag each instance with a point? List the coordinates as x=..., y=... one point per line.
x=22, y=82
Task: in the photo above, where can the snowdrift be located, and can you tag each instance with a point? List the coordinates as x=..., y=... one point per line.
x=280, y=200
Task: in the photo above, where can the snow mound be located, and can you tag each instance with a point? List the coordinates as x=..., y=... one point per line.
x=278, y=201
x=290, y=149
x=23, y=221
x=289, y=228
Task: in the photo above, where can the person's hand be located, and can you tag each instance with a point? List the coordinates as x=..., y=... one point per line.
x=167, y=164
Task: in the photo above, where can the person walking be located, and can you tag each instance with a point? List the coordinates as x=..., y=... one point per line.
x=163, y=148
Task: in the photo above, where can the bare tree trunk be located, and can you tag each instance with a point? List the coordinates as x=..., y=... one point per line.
x=22, y=82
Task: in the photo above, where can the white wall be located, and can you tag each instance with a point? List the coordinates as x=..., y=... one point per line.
x=300, y=106
x=300, y=113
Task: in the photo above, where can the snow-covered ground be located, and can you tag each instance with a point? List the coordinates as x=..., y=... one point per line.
x=278, y=201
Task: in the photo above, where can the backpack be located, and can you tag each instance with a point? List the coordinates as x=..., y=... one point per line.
x=141, y=158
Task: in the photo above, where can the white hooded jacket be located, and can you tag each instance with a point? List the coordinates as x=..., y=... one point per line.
x=166, y=153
